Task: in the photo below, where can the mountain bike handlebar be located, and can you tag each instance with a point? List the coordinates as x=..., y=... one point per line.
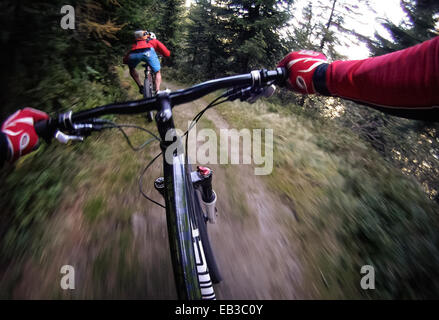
x=243, y=84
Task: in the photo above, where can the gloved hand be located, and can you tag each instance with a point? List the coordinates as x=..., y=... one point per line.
x=301, y=66
x=20, y=132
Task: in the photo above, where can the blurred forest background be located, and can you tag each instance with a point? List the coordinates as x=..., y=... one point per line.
x=46, y=67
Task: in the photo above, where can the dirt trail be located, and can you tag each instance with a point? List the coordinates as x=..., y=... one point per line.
x=255, y=255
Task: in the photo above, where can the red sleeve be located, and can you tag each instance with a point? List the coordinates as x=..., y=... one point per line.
x=160, y=47
x=407, y=78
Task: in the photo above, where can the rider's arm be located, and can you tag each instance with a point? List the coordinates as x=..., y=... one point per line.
x=408, y=78
x=404, y=83
x=160, y=47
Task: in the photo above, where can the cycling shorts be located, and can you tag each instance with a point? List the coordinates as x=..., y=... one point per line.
x=147, y=55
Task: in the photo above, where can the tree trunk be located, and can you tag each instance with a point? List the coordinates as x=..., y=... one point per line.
x=322, y=43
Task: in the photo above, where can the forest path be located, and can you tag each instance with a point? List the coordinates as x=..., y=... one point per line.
x=255, y=253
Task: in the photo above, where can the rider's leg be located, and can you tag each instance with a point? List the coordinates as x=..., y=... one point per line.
x=154, y=63
x=135, y=76
x=158, y=80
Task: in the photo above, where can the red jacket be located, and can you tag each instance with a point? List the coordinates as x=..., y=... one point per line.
x=154, y=43
x=404, y=82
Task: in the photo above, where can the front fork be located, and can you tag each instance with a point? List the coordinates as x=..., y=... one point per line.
x=202, y=181
x=201, y=178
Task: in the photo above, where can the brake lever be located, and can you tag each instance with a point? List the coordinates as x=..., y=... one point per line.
x=80, y=130
x=242, y=93
x=265, y=92
x=251, y=94
x=65, y=138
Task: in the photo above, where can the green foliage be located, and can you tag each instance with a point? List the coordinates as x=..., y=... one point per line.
x=351, y=207
x=303, y=35
x=169, y=28
x=94, y=208
x=32, y=190
x=253, y=26
x=421, y=26
x=225, y=37
x=41, y=63
x=412, y=146
x=322, y=26
x=29, y=197
x=136, y=15
x=204, y=53
x=395, y=234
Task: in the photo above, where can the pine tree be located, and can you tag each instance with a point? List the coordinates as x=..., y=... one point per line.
x=302, y=33
x=421, y=26
x=168, y=29
x=60, y=59
x=322, y=26
x=332, y=24
x=203, y=46
x=254, y=26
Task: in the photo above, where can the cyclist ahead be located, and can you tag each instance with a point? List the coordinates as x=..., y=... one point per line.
x=405, y=83
x=144, y=49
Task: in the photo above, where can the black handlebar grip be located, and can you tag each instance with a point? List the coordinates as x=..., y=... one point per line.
x=284, y=73
x=43, y=129
x=283, y=76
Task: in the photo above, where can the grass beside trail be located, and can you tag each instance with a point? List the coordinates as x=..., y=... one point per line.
x=67, y=203
x=350, y=207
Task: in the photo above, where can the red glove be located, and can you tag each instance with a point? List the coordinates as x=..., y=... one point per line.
x=300, y=66
x=20, y=132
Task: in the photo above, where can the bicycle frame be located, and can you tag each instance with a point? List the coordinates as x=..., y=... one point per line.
x=179, y=214
x=149, y=87
x=149, y=73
